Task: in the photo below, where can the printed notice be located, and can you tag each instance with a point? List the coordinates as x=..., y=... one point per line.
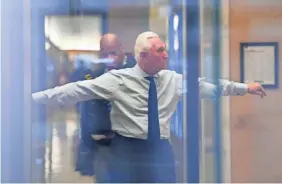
x=259, y=64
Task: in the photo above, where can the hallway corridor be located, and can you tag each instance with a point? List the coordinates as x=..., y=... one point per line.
x=59, y=162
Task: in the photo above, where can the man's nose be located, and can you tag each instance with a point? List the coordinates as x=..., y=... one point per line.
x=165, y=55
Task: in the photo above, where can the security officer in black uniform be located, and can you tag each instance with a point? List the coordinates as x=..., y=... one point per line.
x=83, y=152
x=96, y=131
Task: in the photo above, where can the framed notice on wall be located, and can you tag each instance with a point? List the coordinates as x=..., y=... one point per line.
x=260, y=63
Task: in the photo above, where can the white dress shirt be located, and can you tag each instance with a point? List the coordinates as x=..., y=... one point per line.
x=127, y=90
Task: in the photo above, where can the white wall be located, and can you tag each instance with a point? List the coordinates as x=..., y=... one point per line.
x=127, y=22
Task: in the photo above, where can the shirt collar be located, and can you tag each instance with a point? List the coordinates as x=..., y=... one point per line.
x=141, y=73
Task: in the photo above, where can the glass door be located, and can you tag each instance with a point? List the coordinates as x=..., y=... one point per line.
x=194, y=51
x=212, y=145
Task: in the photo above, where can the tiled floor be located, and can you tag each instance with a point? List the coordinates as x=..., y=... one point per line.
x=59, y=152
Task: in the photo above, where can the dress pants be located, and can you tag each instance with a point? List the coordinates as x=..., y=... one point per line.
x=141, y=161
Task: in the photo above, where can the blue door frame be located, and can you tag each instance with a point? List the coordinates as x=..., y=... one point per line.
x=193, y=124
x=192, y=29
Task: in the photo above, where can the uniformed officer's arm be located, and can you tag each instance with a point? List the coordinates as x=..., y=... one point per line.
x=103, y=87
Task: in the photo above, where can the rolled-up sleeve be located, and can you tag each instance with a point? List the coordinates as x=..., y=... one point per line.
x=103, y=87
x=209, y=89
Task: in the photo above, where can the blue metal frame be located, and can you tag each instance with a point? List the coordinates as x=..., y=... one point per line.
x=12, y=92
x=276, y=60
x=217, y=76
x=192, y=96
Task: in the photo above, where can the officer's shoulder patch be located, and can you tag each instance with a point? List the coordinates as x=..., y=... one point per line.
x=88, y=76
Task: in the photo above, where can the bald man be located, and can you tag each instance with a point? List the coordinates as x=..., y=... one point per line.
x=111, y=47
x=96, y=131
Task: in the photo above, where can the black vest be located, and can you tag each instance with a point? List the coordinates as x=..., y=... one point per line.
x=95, y=114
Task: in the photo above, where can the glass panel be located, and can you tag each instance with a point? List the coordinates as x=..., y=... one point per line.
x=65, y=37
x=69, y=39
x=45, y=42
x=177, y=63
x=207, y=106
x=166, y=19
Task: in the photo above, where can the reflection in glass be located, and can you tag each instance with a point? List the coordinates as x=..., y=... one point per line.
x=67, y=38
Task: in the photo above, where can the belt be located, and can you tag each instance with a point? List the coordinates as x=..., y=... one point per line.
x=98, y=137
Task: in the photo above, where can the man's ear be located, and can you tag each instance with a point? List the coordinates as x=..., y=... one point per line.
x=143, y=55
